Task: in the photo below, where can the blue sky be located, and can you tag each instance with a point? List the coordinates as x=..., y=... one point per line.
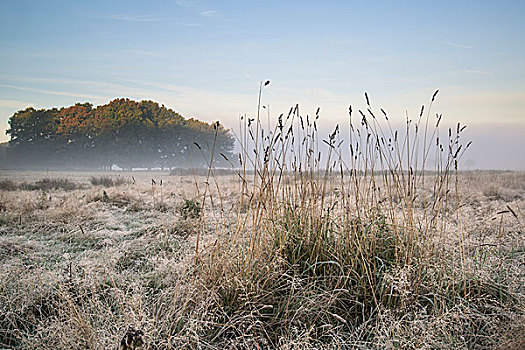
x=206, y=58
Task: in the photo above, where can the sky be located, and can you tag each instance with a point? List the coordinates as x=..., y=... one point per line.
x=205, y=59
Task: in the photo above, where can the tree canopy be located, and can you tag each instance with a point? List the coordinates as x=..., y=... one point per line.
x=123, y=132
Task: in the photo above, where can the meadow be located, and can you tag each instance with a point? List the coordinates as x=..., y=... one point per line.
x=82, y=262
x=293, y=250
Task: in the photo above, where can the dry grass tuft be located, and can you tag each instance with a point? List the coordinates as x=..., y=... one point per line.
x=350, y=248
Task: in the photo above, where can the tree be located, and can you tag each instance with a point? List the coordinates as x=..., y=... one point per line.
x=123, y=132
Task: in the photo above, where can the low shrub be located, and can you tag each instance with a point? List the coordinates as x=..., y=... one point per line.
x=8, y=185
x=47, y=184
x=191, y=209
x=107, y=181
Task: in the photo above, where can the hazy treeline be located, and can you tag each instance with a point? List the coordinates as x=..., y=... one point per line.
x=124, y=132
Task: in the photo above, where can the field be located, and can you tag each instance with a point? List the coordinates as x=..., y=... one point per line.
x=86, y=256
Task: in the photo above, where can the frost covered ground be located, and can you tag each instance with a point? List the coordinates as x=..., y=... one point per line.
x=81, y=263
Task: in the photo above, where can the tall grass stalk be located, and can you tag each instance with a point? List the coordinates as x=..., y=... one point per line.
x=330, y=228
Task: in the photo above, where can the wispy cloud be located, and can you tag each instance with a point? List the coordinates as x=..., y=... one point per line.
x=184, y=3
x=97, y=85
x=473, y=71
x=142, y=53
x=344, y=42
x=134, y=18
x=15, y=104
x=462, y=46
x=80, y=88
x=52, y=92
x=208, y=13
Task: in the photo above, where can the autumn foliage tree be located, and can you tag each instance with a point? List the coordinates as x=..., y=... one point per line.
x=123, y=132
